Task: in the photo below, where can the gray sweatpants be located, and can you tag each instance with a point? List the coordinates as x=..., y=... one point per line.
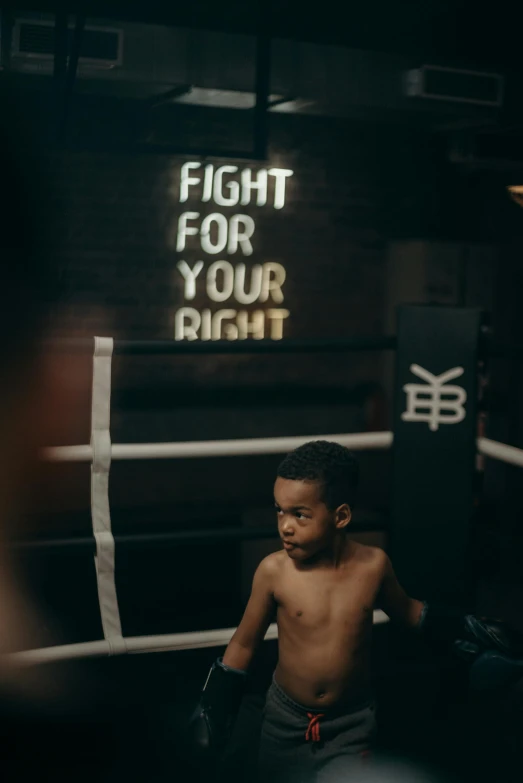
x=297, y=743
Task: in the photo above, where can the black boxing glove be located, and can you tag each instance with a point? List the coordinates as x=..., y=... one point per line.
x=212, y=722
x=493, y=649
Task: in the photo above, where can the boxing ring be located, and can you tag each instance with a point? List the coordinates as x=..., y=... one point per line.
x=101, y=452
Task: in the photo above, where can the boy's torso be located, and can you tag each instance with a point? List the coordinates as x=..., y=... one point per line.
x=325, y=619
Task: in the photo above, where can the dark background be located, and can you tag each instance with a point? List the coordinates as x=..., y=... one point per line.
x=393, y=200
x=387, y=205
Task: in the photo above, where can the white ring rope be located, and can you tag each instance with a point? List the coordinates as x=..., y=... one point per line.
x=509, y=454
x=218, y=448
x=100, y=509
x=137, y=644
x=250, y=447
x=101, y=452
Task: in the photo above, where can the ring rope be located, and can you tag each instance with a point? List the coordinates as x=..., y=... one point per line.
x=100, y=509
x=100, y=453
x=194, y=640
x=509, y=454
x=251, y=447
x=218, y=448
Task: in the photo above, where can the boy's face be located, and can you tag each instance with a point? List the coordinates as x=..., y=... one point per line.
x=305, y=524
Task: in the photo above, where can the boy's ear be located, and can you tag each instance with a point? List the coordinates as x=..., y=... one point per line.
x=343, y=516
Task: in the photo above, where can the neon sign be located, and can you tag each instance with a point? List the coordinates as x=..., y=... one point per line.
x=222, y=280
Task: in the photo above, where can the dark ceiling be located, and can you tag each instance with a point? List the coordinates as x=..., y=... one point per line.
x=451, y=30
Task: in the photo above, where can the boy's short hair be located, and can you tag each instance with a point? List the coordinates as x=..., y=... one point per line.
x=331, y=464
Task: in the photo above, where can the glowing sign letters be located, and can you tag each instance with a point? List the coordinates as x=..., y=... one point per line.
x=238, y=192
x=216, y=233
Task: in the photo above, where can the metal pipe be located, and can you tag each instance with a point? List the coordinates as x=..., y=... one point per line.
x=166, y=347
x=321, y=345
x=173, y=397
x=152, y=148
x=60, y=47
x=462, y=277
x=174, y=92
x=173, y=537
x=497, y=351
x=262, y=84
x=70, y=77
x=6, y=37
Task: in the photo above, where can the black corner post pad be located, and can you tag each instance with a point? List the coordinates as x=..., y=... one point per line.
x=434, y=454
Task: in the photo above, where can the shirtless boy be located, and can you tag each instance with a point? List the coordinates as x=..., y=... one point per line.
x=323, y=589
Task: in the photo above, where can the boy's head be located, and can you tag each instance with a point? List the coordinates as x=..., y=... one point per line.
x=314, y=495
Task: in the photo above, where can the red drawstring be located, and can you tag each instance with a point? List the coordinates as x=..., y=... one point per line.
x=313, y=732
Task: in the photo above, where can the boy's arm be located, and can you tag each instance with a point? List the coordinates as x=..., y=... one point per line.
x=493, y=649
x=394, y=601
x=256, y=618
x=221, y=697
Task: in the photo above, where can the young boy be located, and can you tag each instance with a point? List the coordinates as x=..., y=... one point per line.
x=323, y=588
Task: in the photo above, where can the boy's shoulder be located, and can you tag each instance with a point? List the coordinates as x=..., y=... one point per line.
x=271, y=565
x=369, y=556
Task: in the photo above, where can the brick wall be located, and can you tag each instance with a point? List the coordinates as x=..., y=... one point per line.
x=354, y=188
x=122, y=209
x=121, y=280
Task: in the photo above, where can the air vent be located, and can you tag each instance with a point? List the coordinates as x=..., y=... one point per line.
x=36, y=40
x=450, y=84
